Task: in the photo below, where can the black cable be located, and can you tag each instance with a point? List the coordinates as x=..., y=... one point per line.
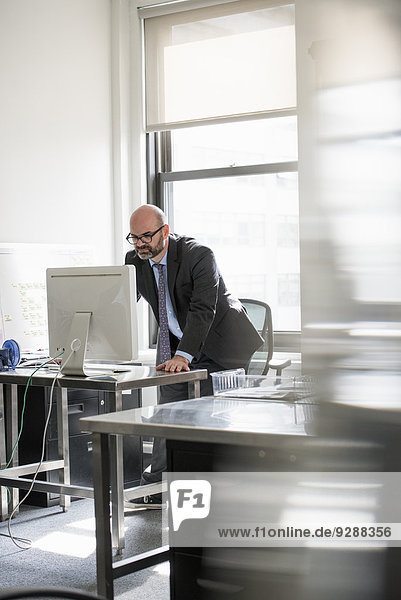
x=12, y=537
x=47, y=592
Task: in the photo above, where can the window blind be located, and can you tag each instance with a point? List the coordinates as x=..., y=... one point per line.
x=227, y=61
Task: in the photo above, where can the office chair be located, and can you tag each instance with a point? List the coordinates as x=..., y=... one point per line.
x=261, y=316
x=26, y=593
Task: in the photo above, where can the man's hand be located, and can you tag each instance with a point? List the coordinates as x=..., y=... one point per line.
x=174, y=365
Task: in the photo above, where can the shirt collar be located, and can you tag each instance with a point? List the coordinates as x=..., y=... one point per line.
x=162, y=262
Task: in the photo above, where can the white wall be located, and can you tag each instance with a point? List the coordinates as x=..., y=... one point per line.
x=55, y=123
x=71, y=164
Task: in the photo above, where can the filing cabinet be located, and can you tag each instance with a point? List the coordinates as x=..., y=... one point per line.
x=81, y=403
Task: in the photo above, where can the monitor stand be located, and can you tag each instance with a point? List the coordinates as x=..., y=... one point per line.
x=73, y=359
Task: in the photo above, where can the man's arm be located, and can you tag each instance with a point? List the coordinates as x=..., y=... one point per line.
x=202, y=309
x=202, y=303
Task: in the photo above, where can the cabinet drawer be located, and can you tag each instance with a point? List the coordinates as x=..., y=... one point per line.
x=77, y=408
x=202, y=578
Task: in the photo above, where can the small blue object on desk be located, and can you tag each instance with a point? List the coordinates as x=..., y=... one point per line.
x=10, y=355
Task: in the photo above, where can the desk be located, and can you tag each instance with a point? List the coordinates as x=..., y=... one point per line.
x=133, y=377
x=249, y=424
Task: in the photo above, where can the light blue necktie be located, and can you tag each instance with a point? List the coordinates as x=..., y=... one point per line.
x=164, y=337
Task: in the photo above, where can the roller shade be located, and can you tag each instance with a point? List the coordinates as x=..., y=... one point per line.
x=219, y=62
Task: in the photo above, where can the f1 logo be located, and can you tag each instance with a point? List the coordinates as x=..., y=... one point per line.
x=189, y=499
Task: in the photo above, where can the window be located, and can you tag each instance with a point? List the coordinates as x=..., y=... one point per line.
x=226, y=159
x=235, y=144
x=248, y=214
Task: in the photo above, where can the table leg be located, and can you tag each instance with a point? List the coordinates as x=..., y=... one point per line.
x=101, y=481
x=117, y=479
x=11, y=408
x=194, y=389
x=63, y=442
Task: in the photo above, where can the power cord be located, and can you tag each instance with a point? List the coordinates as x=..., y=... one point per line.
x=22, y=418
x=12, y=537
x=20, y=539
x=24, y=404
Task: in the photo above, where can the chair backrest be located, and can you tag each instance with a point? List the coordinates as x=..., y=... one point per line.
x=261, y=316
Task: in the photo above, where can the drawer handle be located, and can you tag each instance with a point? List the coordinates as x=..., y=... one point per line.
x=219, y=586
x=74, y=409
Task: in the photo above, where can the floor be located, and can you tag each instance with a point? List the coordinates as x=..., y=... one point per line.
x=62, y=551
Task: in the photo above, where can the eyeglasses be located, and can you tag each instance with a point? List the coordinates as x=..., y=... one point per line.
x=146, y=238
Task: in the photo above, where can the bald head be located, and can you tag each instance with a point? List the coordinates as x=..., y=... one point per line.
x=149, y=214
x=148, y=219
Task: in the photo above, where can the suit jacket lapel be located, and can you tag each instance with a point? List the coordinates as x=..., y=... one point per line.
x=172, y=269
x=149, y=283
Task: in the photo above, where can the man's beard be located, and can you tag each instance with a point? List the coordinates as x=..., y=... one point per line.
x=146, y=252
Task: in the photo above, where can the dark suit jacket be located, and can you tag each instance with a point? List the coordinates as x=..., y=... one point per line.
x=212, y=321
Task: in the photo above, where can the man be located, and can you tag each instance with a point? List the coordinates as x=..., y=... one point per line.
x=205, y=327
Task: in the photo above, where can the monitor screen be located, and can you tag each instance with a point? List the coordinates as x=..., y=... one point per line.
x=92, y=315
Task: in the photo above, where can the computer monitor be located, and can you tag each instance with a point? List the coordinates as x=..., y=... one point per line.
x=92, y=315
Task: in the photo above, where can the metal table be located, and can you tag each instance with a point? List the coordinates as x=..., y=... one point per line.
x=125, y=377
x=247, y=423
